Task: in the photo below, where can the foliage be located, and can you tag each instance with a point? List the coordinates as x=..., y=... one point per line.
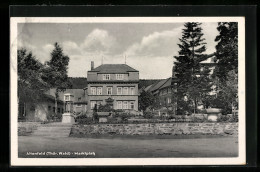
x=77, y=82
x=105, y=108
x=56, y=71
x=226, y=49
x=226, y=72
x=87, y=120
x=146, y=99
x=148, y=115
x=193, y=81
x=95, y=117
x=31, y=85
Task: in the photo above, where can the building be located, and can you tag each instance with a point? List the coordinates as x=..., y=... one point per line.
x=162, y=90
x=113, y=84
x=41, y=111
x=79, y=99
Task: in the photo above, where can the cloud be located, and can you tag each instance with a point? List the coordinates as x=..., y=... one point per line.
x=71, y=48
x=156, y=44
x=98, y=40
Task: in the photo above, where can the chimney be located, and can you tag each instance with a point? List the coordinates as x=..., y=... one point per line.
x=92, y=65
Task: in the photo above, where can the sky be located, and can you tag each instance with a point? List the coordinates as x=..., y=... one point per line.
x=147, y=47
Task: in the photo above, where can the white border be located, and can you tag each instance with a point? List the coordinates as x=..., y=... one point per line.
x=15, y=161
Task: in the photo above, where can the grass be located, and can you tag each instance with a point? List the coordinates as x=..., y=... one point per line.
x=129, y=147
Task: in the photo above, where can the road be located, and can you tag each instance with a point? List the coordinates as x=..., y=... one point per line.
x=126, y=147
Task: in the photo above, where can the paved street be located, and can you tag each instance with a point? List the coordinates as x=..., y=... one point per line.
x=126, y=147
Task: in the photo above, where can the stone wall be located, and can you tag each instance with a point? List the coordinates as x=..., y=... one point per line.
x=157, y=129
x=26, y=128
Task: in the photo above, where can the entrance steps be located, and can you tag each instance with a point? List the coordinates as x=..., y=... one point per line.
x=56, y=129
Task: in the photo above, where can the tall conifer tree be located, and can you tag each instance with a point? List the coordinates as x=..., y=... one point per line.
x=56, y=70
x=192, y=81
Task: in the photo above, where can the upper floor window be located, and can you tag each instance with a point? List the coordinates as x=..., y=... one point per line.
x=109, y=90
x=131, y=90
x=106, y=76
x=125, y=91
x=67, y=98
x=119, y=76
x=119, y=90
x=93, y=91
x=99, y=91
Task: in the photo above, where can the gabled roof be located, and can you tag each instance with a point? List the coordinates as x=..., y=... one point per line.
x=161, y=84
x=114, y=68
x=167, y=83
x=158, y=85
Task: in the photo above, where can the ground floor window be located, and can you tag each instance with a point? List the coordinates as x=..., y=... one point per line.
x=131, y=105
x=93, y=103
x=125, y=104
x=119, y=105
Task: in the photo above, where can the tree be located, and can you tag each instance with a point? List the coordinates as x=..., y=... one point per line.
x=146, y=99
x=226, y=72
x=56, y=71
x=193, y=81
x=31, y=85
x=226, y=49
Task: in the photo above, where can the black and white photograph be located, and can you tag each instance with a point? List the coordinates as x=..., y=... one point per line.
x=127, y=91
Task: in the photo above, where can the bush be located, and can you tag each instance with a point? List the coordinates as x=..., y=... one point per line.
x=149, y=115
x=81, y=117
x=87, y=120
x=226, y=118
x=105, y=108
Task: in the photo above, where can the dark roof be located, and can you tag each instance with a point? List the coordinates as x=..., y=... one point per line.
x=78, y=82
x=158, y=85
x=167, y=83
x=147, y=82
x=114, y=68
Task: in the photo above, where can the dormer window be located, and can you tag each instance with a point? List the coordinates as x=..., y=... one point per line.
x=106, y=76
x=119, y=76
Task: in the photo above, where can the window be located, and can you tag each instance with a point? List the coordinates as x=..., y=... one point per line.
x=125, y=105
x=99, y=91
x=125, y=91
x=109, y=90
x=67, y=98
x=62, y=110
x=119, y=105
x=58, y=110
x=131, y=90
x=49, y=108
x=169, y=100
x=119, y=76
x=93, y=90
x=53, y=109
x=119, y=90
x=106, y=76
x=92, y=104
x=131, y=105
